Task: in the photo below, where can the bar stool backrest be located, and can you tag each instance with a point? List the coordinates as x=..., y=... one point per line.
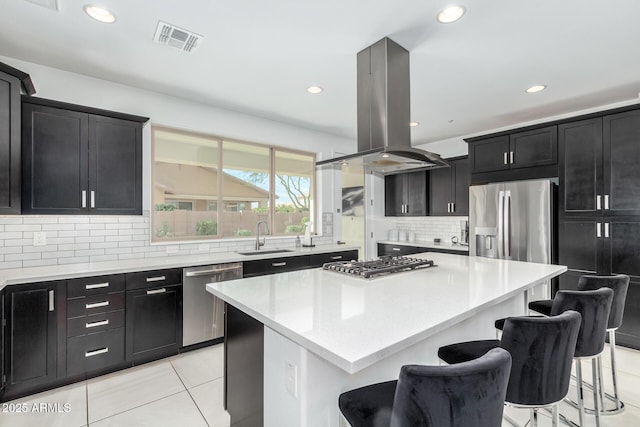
x=594, y=307
x=620, y=285
x=465, y=394
x=542, y=350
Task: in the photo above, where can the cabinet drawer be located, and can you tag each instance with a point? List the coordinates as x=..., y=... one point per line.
x=95, y=351
x=317, y=260
x=95, y=323
x=152, y=279
x=85, y=306
x=388, y=249
x=274, y=265
x=94, y=285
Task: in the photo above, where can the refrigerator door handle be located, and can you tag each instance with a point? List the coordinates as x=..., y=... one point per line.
x=507, y=224
x=500, y=233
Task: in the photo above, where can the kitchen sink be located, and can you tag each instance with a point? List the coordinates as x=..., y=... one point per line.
x=265, y=252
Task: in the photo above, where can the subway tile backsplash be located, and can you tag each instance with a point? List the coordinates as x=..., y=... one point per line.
x=431, y=227
x=82, y=239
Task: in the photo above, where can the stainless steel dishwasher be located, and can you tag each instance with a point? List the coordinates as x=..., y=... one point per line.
x=202, y=313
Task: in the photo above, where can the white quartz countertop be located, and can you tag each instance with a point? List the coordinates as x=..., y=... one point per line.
x=69, y=271
x=429, y=244
x=354, y=322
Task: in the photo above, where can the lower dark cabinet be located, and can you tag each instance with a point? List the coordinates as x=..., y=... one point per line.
x=95, y=352
x=317, y=260
x=629, y=333
x=33, y=337
x=153, y=322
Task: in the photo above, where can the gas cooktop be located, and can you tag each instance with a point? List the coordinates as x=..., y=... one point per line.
x=378, y=267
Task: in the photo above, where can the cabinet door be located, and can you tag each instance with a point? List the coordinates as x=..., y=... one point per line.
x=579, y=246
x=33, y=336
x=461, y=182
x=393, y=195
x=629, y=332
x=581, y=167
x=55, y=163
x=440, y=188
x=115, y=175
x=536, y=147
x=621, y=163
x=415, y=190
x=489, y=155
x=3, y=320
x=153, y=323
x=9, y=144
x=623, y=246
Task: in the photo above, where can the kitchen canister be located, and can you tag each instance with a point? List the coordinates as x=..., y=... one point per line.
x=402, y=235
x=411, y=236
x=393, y=235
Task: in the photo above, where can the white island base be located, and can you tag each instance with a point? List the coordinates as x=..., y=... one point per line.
x=325, y=333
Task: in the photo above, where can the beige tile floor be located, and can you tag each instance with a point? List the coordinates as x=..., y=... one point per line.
x=186, y=390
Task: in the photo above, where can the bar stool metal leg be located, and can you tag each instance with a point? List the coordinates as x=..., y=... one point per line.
x=614, y=370
x=555, y=415
x=580, y=391
x=596, y=386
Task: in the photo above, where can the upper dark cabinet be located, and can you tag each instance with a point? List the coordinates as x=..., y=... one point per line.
x=405, y=194
x=449, y=189
x=9, y=144
x=599, y=159
x=537, y=147
x=76, y=161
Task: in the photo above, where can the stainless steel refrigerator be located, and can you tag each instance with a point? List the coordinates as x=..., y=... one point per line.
x=514, y=220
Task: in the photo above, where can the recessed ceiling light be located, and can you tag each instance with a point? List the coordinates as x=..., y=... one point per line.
x=536, y=88
x=99, y=14
x=414, y=124
x=314, y=89
x=450, y=14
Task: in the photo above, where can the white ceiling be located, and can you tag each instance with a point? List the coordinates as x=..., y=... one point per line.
x=259, y=56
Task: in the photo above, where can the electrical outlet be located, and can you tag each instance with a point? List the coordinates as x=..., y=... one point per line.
x=291, y=378
x=39, y=238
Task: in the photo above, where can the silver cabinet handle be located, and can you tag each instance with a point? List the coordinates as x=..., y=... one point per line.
x=84, y=198
x=52, y=300
x=606, y=229
x=606, y=202
x=156, y=291
x=598, y=202
x=206, y=272
x=506, y=162
x=448, y=207
x=511, y=157
x=396, y=249
x=598, y=230
x=453, y=207
x=97, y=304
x=96, y=352
x=156, y=279
x=98, y=323
x=336, y=257
x=97, y=285
x=93, y=199
x=278, y=264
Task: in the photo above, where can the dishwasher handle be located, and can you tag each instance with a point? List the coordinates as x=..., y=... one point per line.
x=211, y=271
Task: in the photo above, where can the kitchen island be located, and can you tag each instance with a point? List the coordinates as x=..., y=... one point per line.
x=307, y=336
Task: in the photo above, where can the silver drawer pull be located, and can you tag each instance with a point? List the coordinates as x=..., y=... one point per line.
x=97, y=304
x=336, y=257
x=98, y=323
x=206, y=272
x=156, y=291
x=97, y=286
x=278, y=264
x=96, y=352
x=395, y=249
x=155, y=279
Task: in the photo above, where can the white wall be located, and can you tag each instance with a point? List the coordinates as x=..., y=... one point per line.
x=95, y=238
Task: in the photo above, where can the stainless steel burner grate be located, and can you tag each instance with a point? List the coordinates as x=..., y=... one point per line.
x=378, y=267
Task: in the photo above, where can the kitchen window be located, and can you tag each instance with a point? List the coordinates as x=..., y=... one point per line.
x=207, y=187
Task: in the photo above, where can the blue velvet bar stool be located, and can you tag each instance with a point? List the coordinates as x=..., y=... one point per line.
x=468, y=394
x=620, y=285
x=542, y=350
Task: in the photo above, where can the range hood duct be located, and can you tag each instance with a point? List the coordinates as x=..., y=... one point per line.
x=384, y=135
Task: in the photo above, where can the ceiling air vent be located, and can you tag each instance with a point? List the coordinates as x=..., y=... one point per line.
x=179, y=38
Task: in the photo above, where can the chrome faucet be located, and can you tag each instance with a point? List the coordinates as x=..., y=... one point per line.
x=258, y=242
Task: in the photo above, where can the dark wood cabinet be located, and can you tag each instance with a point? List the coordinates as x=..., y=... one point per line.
x=489, y=155
x=261, y=267
x=405, y=194
x=3, y=323
x=317, y=260
x=395, y=250
x=449, y=189
x=536, y=147
x=9, y=144
x=153, y=314
x=75, y=161
x=34, y=345
x=628, y=335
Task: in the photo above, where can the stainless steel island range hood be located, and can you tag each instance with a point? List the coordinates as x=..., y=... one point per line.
x=384, y=135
